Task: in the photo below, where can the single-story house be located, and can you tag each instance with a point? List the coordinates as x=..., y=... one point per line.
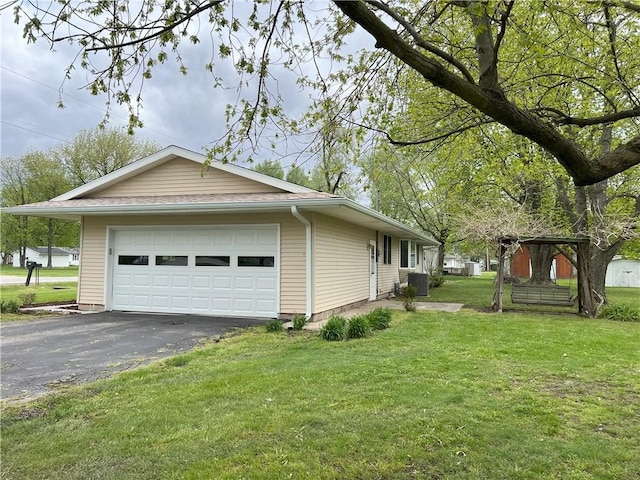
x=623, y=272
x=169, y=234
x=60, y=256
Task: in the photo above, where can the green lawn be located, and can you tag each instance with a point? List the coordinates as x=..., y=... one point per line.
x=44, y=292
x=465, y=395
x=44, y=272
x=478, y=292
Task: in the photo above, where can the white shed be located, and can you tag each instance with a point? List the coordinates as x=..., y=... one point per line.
x=623, y=272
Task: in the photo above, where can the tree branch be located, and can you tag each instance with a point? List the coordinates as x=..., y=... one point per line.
x=158, y=33
x=560, y=118
x=408, y=143
x=420, y=41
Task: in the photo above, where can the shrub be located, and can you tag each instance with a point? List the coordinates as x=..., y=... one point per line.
x=380, y=318
x=358, y=327
x=620, y=313
x=436, y=280
x=408, y=296
x=299, y=321
x=9, y=306
x=334, y=329
x=27, y=298
x=274, y=326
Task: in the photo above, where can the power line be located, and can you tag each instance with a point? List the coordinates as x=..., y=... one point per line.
x=101, y=109
x=33, y=131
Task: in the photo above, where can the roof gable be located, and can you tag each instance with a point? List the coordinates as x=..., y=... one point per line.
x=178, y=171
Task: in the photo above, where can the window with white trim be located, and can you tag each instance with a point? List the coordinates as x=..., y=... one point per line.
x=408, y=254
x=386, y=250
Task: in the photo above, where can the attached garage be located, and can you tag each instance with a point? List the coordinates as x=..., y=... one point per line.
x=228, y=270
x=175, y=233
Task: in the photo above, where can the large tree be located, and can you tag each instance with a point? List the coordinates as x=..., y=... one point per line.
x=576, y=62
x=34, y=177
x=96, y=152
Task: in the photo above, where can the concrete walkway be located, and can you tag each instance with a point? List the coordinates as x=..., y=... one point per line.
x=391, y=304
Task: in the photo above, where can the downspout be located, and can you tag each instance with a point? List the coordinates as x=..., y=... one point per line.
x=307, y=224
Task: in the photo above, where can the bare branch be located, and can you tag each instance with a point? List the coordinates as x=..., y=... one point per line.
x=188, y=16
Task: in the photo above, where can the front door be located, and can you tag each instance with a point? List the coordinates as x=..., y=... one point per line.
x=373, y=272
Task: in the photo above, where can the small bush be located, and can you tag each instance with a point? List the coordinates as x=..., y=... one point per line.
x=334, y=329
x=299, y=321
x=9, y=306
x=27, y=298
x=436, y=280
x=380, y=318
x=274, y=326
x=620, y=313
x=408, y=296
x=358, y=327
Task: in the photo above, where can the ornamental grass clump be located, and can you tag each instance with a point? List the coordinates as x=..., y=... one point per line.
x=621, y=313
x=358, y=327
x=334, y=329
x=274, y=326
x=299, y=321
x=9, y=306
x=380, y=318
x=408, y=296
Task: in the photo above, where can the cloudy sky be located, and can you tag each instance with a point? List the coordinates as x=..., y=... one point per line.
x=181, y=110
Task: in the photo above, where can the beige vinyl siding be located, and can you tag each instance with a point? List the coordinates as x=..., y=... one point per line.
x=180, y=177
x=292, y=252
x=341, y=263
x=387, y=274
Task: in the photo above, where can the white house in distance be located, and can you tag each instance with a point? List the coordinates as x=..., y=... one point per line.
x=623, y=272
x=163, y=235
x=60, y=256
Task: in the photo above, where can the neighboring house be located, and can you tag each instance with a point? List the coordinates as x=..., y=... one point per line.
x=623, y=272
x=561, y=267
x=163, y=234
x=74, y=256
x=60, y=257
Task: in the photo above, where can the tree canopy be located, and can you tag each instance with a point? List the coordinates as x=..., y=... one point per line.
x=553, y=72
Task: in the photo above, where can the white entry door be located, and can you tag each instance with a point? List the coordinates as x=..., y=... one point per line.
x=218, y=271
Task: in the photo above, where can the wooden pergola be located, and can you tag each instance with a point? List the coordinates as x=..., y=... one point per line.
x=581, y=245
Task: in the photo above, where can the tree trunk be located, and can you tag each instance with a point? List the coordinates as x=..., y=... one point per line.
x=440, y=258
x=541, y=261
x=600, y=260
x=587, y=303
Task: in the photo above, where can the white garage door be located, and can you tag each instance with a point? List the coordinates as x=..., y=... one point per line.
x=220, y=271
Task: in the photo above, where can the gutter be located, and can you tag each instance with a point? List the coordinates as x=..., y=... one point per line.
x=308, y=283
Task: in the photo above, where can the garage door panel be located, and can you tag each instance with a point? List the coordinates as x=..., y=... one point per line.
x=141, y=280
x=161, y=280
x=266, y=284
x=222, y=283
x=180, y=281
x=200, y=303
x=140, y=301
x=197, y=270
x=181, y=303
x=160, y=301
x=200, y=281
x=243, y=283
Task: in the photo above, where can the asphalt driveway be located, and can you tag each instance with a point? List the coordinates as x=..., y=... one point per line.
x=40, y=355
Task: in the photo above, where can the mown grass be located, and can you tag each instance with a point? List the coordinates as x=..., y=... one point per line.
x=44, y=272
x=465, y=395
x=477, y=292
x=45, y=292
